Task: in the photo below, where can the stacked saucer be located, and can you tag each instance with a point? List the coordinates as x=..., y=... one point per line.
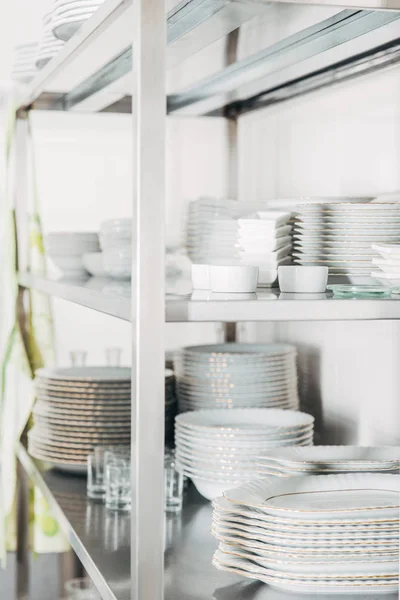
x=24, y=68
x=69, y=15
x=49, y=45
x=289, y=462
x=237, y=376
x=265, y=242
x=325, y=534
x=340, y=236
x=218, y=448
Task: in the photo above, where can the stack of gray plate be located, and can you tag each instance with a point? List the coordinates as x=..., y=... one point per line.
x=24, y=67
x=237, y=376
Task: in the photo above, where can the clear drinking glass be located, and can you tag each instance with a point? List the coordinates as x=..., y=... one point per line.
x=113, y=357
x=173, y=484
x=81, y=588
x=118, y=485
x=78, y=358
x=96, y=473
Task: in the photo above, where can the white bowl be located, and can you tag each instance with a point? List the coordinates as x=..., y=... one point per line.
x=297, y=279
x=93, y=262
x=233, y=279
x=200, y=277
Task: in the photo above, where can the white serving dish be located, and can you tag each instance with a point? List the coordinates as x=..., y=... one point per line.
x=94, y=264
x=200, y=277
x=233, y=279
x=298, y=279
x=387, y=250
x=388, y=279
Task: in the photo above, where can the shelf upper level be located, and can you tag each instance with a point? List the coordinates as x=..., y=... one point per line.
x=93, y=71
x=114, y=298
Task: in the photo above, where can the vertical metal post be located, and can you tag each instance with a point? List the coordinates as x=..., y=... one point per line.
x=148, y=309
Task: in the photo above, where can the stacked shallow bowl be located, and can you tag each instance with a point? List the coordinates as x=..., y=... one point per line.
x=237, y=376
x=325, y=534
x=265, y=242
x=218, y=448
x=340, y=237
x=67, y=249
x=24, y=67
x=116, y=243
x=78, y=408
x=69, y=15
x=49, y=45
x=323, y=460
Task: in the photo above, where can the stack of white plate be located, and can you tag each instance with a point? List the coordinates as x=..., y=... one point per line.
x=24, y=67
x=116, y=243
x=237, y=376
x=66, y=250
x=49, y=45
x=289, y=462
x=387, y=265
x=265, y=242
x=340, y=236
x=77, y=409
x=212, y=230
x=324, y=534
x=69, y=15
x=218, y=448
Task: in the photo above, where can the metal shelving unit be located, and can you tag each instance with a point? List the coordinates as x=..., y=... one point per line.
x=93, y=72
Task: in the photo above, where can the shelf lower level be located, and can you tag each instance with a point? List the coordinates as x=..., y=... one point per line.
x=182, y=306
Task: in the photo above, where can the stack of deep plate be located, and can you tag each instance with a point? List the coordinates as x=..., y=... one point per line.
x=324, y=534
x=289, y=462
x=69, y=15
x=265, y=242
x=24, y=67
x=49, y=45
x=237, y=376
x=340, y=236
x=77, y=409
x=218, y=448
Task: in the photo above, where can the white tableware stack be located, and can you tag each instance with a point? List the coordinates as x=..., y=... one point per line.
x=387, y=265
x=340, y=237
x=116, y=243
x=323, y=460
x=49, y=45
x=66, y=250
x=218, y=448
x=24, y=67
x=227, y=376
x=69, y=15
x=78, y=408
x=326, y=534
x=265, y=242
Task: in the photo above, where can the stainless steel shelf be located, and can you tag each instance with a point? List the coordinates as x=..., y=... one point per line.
x=101, y=539
x=92, y=71
x=113, y=298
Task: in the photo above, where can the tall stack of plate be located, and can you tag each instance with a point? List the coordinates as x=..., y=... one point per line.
x=237, y=376
x=79, y=408
x=218, y=448
x=24, y=67
x=325, y=534
x=69, y=15
x=323, y=460
x=340, y=236
x=49, y=45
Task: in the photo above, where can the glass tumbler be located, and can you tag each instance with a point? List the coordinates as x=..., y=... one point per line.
x=96, y=473
x=118, y=485
x=113, y=357
x=173, y=484
x=78, y=358
x=81, y=588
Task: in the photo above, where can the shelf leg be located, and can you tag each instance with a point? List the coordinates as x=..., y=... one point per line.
x=148, y=310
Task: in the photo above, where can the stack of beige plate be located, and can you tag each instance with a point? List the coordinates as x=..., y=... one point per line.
x=77, y=409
